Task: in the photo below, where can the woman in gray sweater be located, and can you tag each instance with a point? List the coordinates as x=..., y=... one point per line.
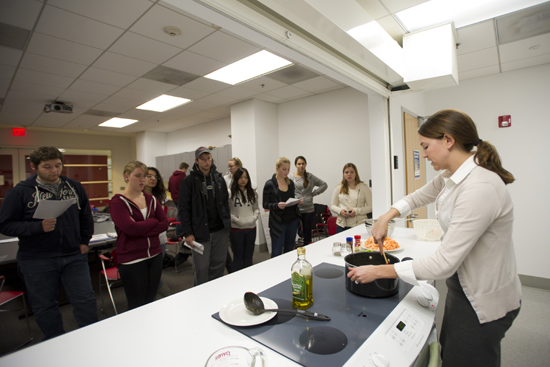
x=307, y=185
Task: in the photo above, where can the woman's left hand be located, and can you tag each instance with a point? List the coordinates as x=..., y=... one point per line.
x=352, y=213
x=363, y=274
x=301, y=202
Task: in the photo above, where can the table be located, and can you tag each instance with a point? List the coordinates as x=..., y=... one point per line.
x=179, y=330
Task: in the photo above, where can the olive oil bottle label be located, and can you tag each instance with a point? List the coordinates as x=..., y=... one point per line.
x=299, y=287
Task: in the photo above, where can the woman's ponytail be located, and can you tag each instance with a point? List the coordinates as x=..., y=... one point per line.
x=488, y=158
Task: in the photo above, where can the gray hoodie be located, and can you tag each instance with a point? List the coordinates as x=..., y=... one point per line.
x=307, y=193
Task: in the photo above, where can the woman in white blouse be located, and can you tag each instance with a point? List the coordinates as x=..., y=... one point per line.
x=476, y=255
x=352, y=199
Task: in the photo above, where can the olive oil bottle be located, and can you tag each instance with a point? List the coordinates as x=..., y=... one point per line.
x=302, y=281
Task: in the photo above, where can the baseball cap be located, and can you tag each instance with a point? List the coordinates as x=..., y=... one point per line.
x=201, y=150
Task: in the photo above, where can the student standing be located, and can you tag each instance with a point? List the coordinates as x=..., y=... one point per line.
x=139, y=220
x=174, y=183
x=52, y=252
x=476, y=256
x=351, y=199
x=283, y=219
x=205, y=218
x=243, y=204
x=305, y=184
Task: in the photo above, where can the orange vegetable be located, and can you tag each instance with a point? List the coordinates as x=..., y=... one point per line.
x=389, y=244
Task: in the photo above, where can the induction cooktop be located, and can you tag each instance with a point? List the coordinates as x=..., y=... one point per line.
x=321, y=343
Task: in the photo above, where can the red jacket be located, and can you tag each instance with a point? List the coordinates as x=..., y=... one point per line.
x=138, y=237
x=174, y=184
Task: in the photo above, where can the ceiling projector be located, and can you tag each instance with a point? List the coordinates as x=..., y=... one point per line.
x=59, y=107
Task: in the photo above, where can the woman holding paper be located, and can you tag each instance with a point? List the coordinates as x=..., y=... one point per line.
x=352, y=199
x=283, y=217
x=139, y=219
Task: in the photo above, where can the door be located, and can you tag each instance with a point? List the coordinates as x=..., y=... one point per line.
x=12, y=169
x=415, y=165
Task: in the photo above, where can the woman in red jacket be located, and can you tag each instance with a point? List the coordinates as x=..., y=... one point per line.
x=139, y=219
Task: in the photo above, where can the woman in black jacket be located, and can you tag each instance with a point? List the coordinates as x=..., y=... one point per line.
x=283, y=218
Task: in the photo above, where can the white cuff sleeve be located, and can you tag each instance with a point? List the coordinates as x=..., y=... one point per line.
x=403, y=207
x=405, y=272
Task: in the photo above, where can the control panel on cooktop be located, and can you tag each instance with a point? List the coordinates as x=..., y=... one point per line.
x=405, y=330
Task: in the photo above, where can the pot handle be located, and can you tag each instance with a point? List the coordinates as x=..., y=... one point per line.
x=406, y=259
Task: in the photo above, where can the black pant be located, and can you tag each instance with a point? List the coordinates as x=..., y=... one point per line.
x=307, y=224
x=464, y=341
x=141, y=281
x=242, y=244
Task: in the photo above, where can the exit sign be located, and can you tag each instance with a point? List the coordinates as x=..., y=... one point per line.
x=18, y=132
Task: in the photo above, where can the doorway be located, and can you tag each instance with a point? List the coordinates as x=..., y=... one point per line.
x=415, y=165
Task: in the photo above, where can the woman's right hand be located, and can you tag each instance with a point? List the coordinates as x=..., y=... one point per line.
x=380, y=231
x=281, y=205
x=344, y=213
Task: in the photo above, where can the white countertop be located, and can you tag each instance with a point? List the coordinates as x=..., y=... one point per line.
x=179, y=330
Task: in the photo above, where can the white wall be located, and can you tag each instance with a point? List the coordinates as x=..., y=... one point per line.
x=524, y=95
x=213, y=133
x=329, y=130
x=149, y=145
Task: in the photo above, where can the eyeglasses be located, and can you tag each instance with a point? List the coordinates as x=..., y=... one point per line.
x=152, y=176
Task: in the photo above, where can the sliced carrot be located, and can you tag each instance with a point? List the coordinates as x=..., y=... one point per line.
x=389, y=244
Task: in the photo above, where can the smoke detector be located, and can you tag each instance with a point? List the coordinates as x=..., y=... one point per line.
x=172, y=31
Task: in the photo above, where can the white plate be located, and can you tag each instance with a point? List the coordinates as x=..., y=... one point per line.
x=388, y=251
x=235, y=313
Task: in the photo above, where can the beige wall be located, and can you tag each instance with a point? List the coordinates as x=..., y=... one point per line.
x=122, y=146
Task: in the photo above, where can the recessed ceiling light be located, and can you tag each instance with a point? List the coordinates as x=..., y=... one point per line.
x=117, y=122
x=250, y=67
x=163, y=103
x=462, y=13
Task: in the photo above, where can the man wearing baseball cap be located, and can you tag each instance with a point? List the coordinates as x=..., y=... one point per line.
x=205, y=218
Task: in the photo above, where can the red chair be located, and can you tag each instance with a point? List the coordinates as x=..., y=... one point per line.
x=8, y=296
x=322, y=228
x=111, y=275
x=165, y=207
x=331, y=226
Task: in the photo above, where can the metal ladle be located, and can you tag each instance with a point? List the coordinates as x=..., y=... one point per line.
x=254, y=303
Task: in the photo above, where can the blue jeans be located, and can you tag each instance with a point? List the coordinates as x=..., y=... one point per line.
x=242, y=244
x=42, y=278
x=341, y=229
x=287, y=240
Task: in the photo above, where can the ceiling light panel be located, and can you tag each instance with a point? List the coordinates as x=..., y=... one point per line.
x=163, y=103
x=250, y=67
x=118, y=122
x=462, y=13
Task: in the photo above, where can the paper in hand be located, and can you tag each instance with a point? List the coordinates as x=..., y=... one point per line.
x=198, y=247
x=51, y=209
x=292, y=201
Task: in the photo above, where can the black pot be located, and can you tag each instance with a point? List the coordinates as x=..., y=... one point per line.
x=379, y=288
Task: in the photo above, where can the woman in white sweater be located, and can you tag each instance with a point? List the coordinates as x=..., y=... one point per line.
x=476, y=255
x=243, y=204
x=351, y=199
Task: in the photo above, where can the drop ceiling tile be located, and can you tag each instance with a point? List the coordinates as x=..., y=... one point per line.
x=28, y=97
x=207, y=85
x=7, y=71
x=70, y=95
x=110, y=107
x=20, y=13
x=289, y=92
x=374, y=7
x=10, y=56
x=31, y=76
x=48, y=91
x=123, y=64
x=478, y=59
x=120, y=13
x=120, y=101
x=395, y=6
x=85, y=122
x=316, y=84
x=139, y=97
x=218, y=99
x=223, y=47
x=151, y=86
x=526, y=63
x=16, y=119
x=526, y=48
x=136, y=114
x=476, y=73
x=143, y=48
x=262, y=84
x=31, y=110
x=4, y=84
x=476, y=37
x=107, y=77
x=72, y=27
x=184, y=92
x=269, y=98
x=194, y=63
x=52, y=66
x=57, y=48
x=238, y=92
x=93, y=87
x=53, y=120
x=152, y=24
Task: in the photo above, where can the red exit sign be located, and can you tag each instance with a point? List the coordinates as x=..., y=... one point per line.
x=18, y=132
